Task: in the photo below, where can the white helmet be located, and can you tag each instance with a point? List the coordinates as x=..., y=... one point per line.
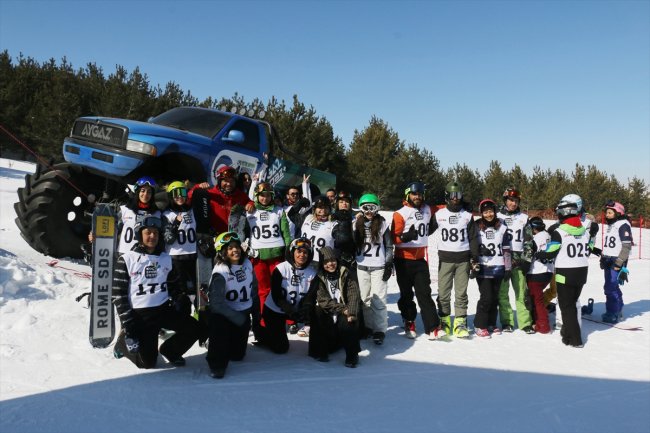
x=569, y=205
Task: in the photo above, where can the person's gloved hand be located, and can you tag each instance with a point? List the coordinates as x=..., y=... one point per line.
x=205, y=245
x=474, y=268
x=485, y=251
x=596, y=251
x=304, y=202
x=132, y=344
x=388, y=271
x=410, y=235
x=622, y=276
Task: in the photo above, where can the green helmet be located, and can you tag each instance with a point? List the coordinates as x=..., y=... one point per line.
x=369, y=198
x=453, y=190
x=177, y=189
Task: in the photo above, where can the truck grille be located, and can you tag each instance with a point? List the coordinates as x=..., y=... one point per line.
x=100, y=132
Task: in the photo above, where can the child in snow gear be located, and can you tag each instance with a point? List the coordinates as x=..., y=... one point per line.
x=616, y=251
x=334, y=322
x=570, y=247
x=458, y=250
x=290, y=283
x=143, y=313
x=410, y=231
x=374, y=257
x=180, y=243
x=539, y=275
x=520, y=241
x=232, y=300
x=495, y=264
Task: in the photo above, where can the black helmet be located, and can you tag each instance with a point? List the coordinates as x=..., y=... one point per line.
x=414, y=188
x=537, y=223
x=146, y=221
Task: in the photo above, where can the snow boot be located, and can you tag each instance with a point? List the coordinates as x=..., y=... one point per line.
x=460, y=327
x=378, y=338
x=409, y=329
x=612, y=318
x=589, y=308
x=482, y=332
x=445, y=324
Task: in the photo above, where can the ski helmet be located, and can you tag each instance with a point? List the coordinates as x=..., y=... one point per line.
x=264, y=187
x=369, y=199
x=511, y=193
x=453, y=190
x=616, y=207
x=537, y=223
x=146, y=221
x=414, y=188
x=177, y=189
x=300, y=243
x=226, y=172
x=224, y=239
x=145, y=181
x=569, y=205
x=487, y=203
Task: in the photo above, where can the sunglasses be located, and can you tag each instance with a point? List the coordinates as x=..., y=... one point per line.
x=293, y=193
x=372, y=208
x=179, y=192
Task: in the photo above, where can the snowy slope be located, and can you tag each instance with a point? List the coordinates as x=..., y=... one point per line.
x=51, y=379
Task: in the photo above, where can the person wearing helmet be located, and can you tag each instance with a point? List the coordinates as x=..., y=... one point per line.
x=570, y=248
x=317, y=227
x=589, y=222
x=494, y=265
x=617, y=245
x=410, y=232
x=374, y=257
x=289, y=299
x=221, y=198
x=335, y=318
x=232, y=300
x=269, y=235
x=342, y=230
x=180, y=242
x=458, y=245
x=539, y=275
x=143, y=286
x=521, y=238
x=140, y=203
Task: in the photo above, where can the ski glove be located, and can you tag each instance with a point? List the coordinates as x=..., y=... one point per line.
x=410, y=235
x=132, y=344
x=596, y=251
x=622, y=276
x=388, y=271
x=205, y=245
x=485, y=251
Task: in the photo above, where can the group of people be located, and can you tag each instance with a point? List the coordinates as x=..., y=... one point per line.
x=312, y=266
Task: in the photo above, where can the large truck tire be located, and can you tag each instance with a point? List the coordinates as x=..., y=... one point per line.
x=51, y=213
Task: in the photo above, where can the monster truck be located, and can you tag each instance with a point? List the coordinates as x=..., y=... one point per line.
x=104, y=155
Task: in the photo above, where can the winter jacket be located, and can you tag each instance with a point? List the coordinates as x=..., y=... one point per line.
x=220, y=206
x=349, y=292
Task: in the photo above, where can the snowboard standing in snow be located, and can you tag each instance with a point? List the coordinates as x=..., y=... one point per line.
x=102, y=317
x=204, y=254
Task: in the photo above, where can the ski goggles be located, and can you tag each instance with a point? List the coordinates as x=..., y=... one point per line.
x=455, y=195
x=145, y=181
x=228, y=173
x=303, y=243
x=151, y=222
x=512, y=194
x=370, y=208
x=179, y=192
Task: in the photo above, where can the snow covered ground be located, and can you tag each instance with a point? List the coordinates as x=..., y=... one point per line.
x=51, y=380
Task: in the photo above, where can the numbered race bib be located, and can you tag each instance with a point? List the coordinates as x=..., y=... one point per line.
x=239, y=284
x=295, y=285
x=452, y=230
x=148, y=274
x=574, y=252
x=615, y=234
x=185, y=242
x=419, y=218
x=319, y=233
x=493, y=240
x=265, y=228
x=373, y=254
x=127, y=235
x=516, y=224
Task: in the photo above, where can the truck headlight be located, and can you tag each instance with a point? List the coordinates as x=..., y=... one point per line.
x=140, y=147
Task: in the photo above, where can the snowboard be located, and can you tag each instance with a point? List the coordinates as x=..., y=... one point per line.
x=614, y=325
x=201, y=208
x=102, y=316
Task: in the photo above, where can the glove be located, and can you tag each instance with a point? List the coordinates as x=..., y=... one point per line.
x=507, y=275
x=205, y=245
x=132, y=344
x=388, y=271
x=593, y=230
x=410, y=235
x=304, y=202
x=474, y=269
x=596, y=251
x=524, y=266
x=485, y=251
x=622, y=276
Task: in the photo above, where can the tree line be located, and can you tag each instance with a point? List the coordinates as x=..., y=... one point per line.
x=40, y=101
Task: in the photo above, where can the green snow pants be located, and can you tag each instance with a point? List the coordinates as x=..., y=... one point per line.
x=454, y=275
x=520, y=287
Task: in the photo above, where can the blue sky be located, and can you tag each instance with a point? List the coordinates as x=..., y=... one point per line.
x=547, y=83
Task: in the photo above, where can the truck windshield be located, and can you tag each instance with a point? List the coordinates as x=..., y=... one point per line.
x=197, y=120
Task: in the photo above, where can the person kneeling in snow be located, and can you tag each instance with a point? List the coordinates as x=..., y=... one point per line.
x=143, y=290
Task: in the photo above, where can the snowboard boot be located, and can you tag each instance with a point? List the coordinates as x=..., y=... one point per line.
x=409, y=329
x=445, y=324
x=460, y=327
x=589, y=308
x=612, y=318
